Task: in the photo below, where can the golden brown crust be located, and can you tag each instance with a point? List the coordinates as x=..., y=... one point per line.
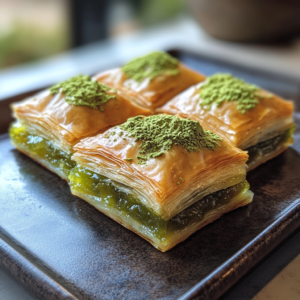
x=157, y=181
x=152, y=93
x=242, y=130
x=57, y=119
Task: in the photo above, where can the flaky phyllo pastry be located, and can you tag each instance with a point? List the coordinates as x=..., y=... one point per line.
x=161, y=176
x=53, y=121
x=248, y=117
x=151, y=80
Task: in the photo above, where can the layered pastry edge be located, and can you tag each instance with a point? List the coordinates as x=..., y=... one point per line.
x=267, y=122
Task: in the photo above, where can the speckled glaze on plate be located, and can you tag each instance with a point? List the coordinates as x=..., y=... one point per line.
x=60, y=247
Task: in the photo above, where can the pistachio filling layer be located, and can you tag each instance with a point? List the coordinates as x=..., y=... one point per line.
x=264, y=148
x=102, y=193
x=41, y=148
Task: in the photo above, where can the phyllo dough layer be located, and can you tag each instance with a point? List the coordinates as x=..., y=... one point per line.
x=104, y=194
x=168, y=183
x=41, y=150
x=55, y=117
x=152, y=91
x=270, y=118
x=161, y=176
x=66, y=124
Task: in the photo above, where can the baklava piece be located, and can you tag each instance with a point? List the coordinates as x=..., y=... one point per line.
x=151, y=80
x=49, y=124
x=248, y=117
x=161, y=176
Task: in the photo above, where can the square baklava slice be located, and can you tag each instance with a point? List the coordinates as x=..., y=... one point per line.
x=151, y=80
x=161, y=176
x=243, y=114
x=50, y=123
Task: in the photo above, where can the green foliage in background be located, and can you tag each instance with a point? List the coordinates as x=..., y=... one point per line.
x=26, y=43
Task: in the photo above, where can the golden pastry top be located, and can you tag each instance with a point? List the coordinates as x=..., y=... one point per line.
x=239, y=128
x=52, y=115
x=166, y=180
x=152, y=91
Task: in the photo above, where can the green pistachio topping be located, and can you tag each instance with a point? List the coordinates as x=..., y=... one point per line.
x=159, y=133
x=83, y=91
x=151, y=66
x=224, y=87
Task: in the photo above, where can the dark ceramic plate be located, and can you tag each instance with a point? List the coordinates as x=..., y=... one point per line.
x=60, y=247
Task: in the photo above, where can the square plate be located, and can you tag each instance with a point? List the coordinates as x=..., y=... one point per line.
x=60, y=247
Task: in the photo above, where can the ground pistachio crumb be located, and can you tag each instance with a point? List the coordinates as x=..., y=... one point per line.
x=151, y=66
x=83, y=91
x=159, y=133
x=178, y=183
x=180, y=178
x=129, y=159
x=224, y=87
x=142, y=157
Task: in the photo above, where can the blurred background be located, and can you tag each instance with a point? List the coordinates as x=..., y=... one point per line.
x=46, y=41
x=34, y=29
